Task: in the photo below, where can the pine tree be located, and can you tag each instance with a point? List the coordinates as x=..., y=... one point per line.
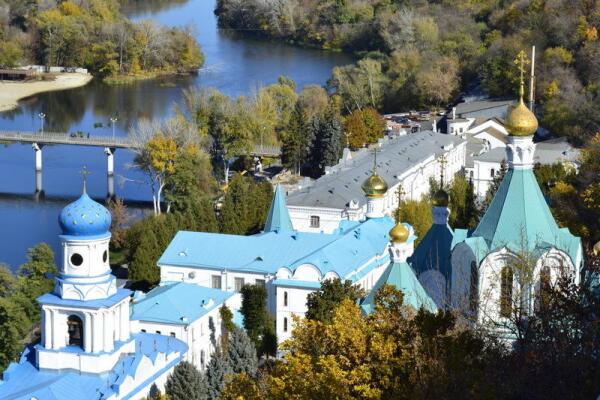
x=186, y=383
x=328, y=144
x=296, y=140
x=216, y=372
x=242, y=352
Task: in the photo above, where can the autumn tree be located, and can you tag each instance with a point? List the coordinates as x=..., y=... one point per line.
x=417, y=213
x=159, y=146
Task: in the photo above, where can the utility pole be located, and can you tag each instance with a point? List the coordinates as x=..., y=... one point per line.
x=112, y=122
x=532, y=80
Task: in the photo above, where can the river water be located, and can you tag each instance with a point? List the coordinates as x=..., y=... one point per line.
x=233, y=65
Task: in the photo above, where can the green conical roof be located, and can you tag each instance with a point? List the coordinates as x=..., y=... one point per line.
x=518, y=216
x=278, y=219
x=403, y=278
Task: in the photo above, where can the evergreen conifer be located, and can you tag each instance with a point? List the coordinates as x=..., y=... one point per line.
x=216, y=372
x=186, y=383
x=242, y=353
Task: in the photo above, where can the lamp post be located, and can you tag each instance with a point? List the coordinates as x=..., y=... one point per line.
x=112, y=122
x=42, y=117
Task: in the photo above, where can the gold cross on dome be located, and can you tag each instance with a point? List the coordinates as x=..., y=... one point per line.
x=521, y=61
x=400, y=193
x=84, y=173
x=443, y=163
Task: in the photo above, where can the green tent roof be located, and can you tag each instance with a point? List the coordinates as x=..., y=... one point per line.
x=520, y=219
x=403, y=278
x=278, y=219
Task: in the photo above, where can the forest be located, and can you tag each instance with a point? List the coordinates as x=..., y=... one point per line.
x=417, y=53
x=93, y=34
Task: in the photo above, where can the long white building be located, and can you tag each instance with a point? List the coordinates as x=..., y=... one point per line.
x=407, y=161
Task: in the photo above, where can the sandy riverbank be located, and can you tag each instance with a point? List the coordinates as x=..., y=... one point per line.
x=12, y=92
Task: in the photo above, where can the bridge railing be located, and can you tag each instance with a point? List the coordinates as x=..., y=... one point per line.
x=64, y=138
x=273, y=151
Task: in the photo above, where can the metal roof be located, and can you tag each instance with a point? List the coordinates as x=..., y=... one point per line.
x=397, y=155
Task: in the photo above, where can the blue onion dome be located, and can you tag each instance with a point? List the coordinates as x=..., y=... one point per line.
x=84, y=217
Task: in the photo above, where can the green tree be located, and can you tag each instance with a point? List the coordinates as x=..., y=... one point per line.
x=296, y=140
x=328, y=143
x=8, y=281
x=191, y=181
x=254, y=311
x=36, y=277
x=418, y=214
x=374, y=123
x=245, y=206
x=11, y=332
x=463, y=210
x=322, y=303
x=143, y=266
x=186, y=383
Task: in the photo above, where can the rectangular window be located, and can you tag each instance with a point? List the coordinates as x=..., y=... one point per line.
x=216, y=281
x=315, y=221
x=172, y=334
x=239, y=282
x=260, y=282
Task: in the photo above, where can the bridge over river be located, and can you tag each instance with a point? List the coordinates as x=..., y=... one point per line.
x=110, y=144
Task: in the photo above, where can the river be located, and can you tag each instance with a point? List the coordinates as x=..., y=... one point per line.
x=233, y=65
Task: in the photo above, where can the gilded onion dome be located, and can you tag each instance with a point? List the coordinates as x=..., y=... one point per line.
x=374, y=186
x=521, y=121
x=440, y=198
x=399, y=233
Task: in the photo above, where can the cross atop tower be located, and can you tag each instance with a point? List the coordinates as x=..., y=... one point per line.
x=521, y=61
x=84, y=173
x=375, y=161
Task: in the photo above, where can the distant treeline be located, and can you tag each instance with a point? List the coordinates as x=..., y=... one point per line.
x=418, y=53
x=92, y=34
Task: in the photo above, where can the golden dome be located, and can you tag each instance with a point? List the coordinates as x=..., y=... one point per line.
x=374, y=186
x=440, y=198
x=399, y=233
x=520, y=121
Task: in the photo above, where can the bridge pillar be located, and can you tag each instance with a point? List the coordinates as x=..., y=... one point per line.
x=110, y=160
x=38, y=155
x=38, y=185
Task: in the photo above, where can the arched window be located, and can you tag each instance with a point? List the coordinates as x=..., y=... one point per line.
x=506, y=291
x=474, y=288
x=492, y=172
x=75, y=329
x=285, y=324
x=285, y=299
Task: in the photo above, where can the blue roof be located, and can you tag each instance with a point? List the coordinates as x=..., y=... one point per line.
x=278, y=219
x=520, y=219
x=177, y=303
x=84, y=217
x=342, y=251
x=434, y=251
x=53, y=299
x=403, y=278
x=23, y=381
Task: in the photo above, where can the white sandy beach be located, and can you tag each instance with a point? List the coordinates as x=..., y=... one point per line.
x=12, y=92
